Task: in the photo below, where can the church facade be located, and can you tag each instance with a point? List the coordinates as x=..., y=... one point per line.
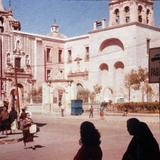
x=62, y=67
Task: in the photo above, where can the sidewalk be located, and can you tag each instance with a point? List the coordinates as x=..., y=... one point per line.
x=109, y=116
x=11, y=138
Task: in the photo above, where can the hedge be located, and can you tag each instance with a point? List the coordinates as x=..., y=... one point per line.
x=143, y=107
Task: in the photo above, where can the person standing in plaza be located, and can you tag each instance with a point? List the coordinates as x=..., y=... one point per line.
x=62, y=110
x=27, y=136
x=91, y=111
x=101, y=111
x=4, y=120
x=13, y=119
x=143, y=145
x=90, y=143
x=62, y=104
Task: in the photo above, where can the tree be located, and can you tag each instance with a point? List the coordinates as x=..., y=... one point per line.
x=143, y=80
x=83, y=94
x=137, y=79
x=92, y=96
x=97, y=88
x=130, y=80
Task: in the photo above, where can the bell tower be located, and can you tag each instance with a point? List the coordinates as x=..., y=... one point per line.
x=128, y=11
x=7, y=21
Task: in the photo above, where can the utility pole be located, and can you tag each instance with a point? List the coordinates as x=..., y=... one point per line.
x=17, y=93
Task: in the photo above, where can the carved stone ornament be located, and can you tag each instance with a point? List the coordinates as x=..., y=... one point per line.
x=18, y=48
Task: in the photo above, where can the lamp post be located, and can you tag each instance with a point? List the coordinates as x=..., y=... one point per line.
x=17, y=93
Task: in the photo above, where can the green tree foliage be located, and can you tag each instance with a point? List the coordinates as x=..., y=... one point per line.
x=97, y=88
x=131, y=79
x=138, y=79
x=83, y=94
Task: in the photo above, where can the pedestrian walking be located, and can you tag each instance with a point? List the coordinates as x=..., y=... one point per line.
x=4, y=120
x=62, y=104
x=62, y=110
x=90, y=143
x=91, y=111
x=143, y=145
x=101, y=111
x=125, y=113
x=27, y=136
x=13, y=120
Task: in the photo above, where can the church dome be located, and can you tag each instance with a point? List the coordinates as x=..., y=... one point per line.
x=57, y=35
x=55, y=31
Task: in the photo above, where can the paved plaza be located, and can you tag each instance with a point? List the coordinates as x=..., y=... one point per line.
x=58, y=137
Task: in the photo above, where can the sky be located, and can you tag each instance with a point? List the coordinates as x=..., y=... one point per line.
x=75, y=17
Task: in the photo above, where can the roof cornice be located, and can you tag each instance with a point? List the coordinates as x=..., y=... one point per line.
x=125, y=25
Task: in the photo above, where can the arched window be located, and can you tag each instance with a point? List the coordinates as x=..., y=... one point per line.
x=1, y=24
x=127, y=14
x=140, y=9
x=69, y=56
x=8, y=58
x=27, y=61
x=48, y=74
x=117, y=19
x=140, y=19
x=103, y=67
x=147, y=15
x=110, y=42
x=1, y=20
x=118, y=65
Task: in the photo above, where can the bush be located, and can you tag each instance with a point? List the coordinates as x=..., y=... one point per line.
x=141, y=107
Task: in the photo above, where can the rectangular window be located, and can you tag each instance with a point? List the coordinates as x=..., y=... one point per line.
x=148, y=45
x=48, y=74
x=60, y=56
x=86, y=53
x=48, y=56
x=69, y=56
x=87, y=49
x=18, y=62
x=127, y=19
x=60, y=93
x=117, y=20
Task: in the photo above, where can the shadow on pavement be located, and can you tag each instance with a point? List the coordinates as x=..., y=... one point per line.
x=21, y=139
x=3, y=137
x=40, y=124
x=35, y=147
x=14, y=133
x=39, y=146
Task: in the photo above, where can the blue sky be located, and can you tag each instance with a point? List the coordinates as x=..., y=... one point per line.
x=75, y=17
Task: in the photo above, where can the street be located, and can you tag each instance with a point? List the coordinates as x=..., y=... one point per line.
x=58, y=138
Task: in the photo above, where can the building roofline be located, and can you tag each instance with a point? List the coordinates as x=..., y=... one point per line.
x=120, y=1
x=39, y=36
x=77, y=38
x=52, y=38
x=86, y=35
x=124, y=25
